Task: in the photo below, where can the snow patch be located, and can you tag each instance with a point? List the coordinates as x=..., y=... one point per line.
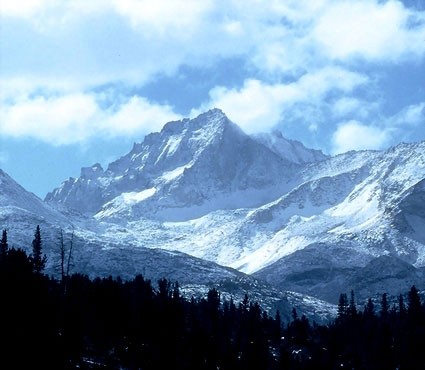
x=123, y=203
x=173, y=174
x=136, y=197
x=171, y=147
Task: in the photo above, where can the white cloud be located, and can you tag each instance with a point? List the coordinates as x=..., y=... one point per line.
x=41, y=10
x=23, y=8
x=371, y=30
x=163, y=16
x=345, y=106
x=51, y=17
x=351, y=107
x=258, y=107
x=330, y=78
x=412, y=115
x=354, y=135
x=138, y=115
x=130, y=41
x=406, y=125
x=158, y=36
x=74, y=118
x=255, y=107
x=73, y=46
x=58, y=119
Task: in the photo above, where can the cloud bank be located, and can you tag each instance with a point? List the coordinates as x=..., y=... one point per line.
x=75, y=118
x=321, y=65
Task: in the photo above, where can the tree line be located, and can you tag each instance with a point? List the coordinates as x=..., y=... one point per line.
x=107, y=323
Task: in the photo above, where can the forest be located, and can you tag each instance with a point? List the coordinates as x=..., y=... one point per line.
x=73, y=322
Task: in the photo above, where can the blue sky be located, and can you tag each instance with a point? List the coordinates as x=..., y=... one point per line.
x=80, y=81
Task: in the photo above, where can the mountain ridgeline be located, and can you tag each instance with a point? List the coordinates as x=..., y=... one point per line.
x=189, y=164
x=261, y=208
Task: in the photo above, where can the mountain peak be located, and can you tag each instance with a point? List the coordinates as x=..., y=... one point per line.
x=188, y=164
x=214, y=112
x=214, y=118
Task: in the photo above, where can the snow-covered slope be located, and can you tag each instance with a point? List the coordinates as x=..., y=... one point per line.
x=22, y=211
x=14, y=196
x=380, y=214
x=263, y=205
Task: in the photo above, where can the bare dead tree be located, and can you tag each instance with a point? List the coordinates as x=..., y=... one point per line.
x=71, y=246
x=62, y=252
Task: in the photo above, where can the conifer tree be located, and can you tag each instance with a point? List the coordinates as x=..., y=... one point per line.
x=38, y=260
x=176, y=291
x=414, y=302
x=62, y=252
x=213, y=299
x=384, y=306
x=276, y=329
x=352, y=309
x=278, y=320
x=401, y=306
x=342, y=306
x=3, y=246
x=69, y=262
x=369, y=310
x=294, y=314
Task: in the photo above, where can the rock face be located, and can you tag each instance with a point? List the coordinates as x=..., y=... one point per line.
x=263, y=205
x=188, y=169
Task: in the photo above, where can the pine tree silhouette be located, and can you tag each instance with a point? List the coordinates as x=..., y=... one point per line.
x=38, y=260
x=343, y=306
x=3, y=246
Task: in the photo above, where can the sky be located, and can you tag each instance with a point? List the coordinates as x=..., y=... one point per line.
x=82, y=80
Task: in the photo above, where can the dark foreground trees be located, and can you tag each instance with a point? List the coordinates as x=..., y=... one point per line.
x=107, y=323
x=115, y=324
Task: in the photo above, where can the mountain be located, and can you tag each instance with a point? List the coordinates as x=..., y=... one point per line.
x=263, y=205
x=290, y=217
x=190, y=168
x=379, y=213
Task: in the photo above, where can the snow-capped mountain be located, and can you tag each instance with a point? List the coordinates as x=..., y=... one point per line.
x=262, y=205
x=190, y=168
